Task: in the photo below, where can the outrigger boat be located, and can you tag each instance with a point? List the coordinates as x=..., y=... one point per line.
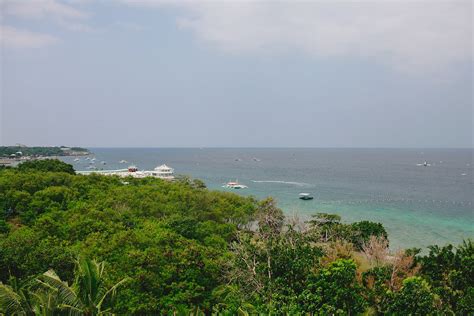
x=234, y=185
x=305, y=196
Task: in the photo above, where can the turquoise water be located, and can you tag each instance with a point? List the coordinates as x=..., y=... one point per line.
x=418, y=205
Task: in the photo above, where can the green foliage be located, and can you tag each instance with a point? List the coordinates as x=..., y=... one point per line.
x=7, y=151
x=171, y=239
x=361, y=232
x=334, y=290
x=49, y=295
x=415, y=298
x=328, y=227
x=4, y=227
x=185, y=250
x=451, y=273
x=46, y=165
x=375, y=281
x=15, y=299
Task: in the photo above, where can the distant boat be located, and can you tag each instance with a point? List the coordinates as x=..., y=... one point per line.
x=305, y=196
x=424, y=164
x=234, y=185
x=77, y=159
x=123, y=161
x=256, y=159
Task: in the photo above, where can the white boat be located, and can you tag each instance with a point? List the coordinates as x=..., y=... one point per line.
x=424, y=164
x=234, y=185
x=77, y=159
x=123, y=161
x=305, y=196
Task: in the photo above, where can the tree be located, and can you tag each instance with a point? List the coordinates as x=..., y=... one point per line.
x=362, y=231
x=326, y=226
x=269, y=218
x=376, y=250
x=49, y=295
x=15, y=299
x=46, y=165
x=414, y=298
x=4, y=227
x=88, y=295
x=451, y=273
x=334, y=290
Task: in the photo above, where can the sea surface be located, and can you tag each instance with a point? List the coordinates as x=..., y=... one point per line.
x=418, y=205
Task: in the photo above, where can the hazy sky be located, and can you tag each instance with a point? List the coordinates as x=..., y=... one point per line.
x=385, y=73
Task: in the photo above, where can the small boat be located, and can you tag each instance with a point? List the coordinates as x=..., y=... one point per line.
x=424, y=164
x=305, y=196
x=123, y=161
x=234, y=185
x=256, y=159
x=77, y=159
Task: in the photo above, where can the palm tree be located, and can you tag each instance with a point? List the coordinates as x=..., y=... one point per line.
x=88, y=295
x=15, y=299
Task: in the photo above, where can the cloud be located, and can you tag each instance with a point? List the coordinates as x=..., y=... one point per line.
x=61, y=14
x=128, y=26
x=40, y=9
x=406, y=35
x=15, y=38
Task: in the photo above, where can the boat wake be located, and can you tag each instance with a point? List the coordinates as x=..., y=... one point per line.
x=300, y=184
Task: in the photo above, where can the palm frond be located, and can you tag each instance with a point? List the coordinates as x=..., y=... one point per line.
x=66, y=295
x=111, y=292
x=10, y=301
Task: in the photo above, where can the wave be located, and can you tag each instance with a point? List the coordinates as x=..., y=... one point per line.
x=301, y=184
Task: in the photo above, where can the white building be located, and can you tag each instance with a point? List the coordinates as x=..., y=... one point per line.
x=163, y=172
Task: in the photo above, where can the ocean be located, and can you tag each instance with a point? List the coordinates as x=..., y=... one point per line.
x=418, y=205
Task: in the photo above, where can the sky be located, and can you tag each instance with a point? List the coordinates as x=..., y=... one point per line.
x=323, y=73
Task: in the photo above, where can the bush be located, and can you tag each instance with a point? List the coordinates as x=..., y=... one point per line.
x=414, y=298
x=47, y=165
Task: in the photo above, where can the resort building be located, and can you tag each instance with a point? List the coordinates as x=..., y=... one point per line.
x=163, y=172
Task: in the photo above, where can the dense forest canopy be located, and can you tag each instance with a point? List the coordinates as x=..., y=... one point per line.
x=8, y=151
x=101, y=244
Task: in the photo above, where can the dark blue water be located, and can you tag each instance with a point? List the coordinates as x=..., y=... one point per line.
x=418, y=205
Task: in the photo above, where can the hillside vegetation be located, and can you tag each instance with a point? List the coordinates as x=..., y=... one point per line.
x=7, y=151
x=90, y=245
